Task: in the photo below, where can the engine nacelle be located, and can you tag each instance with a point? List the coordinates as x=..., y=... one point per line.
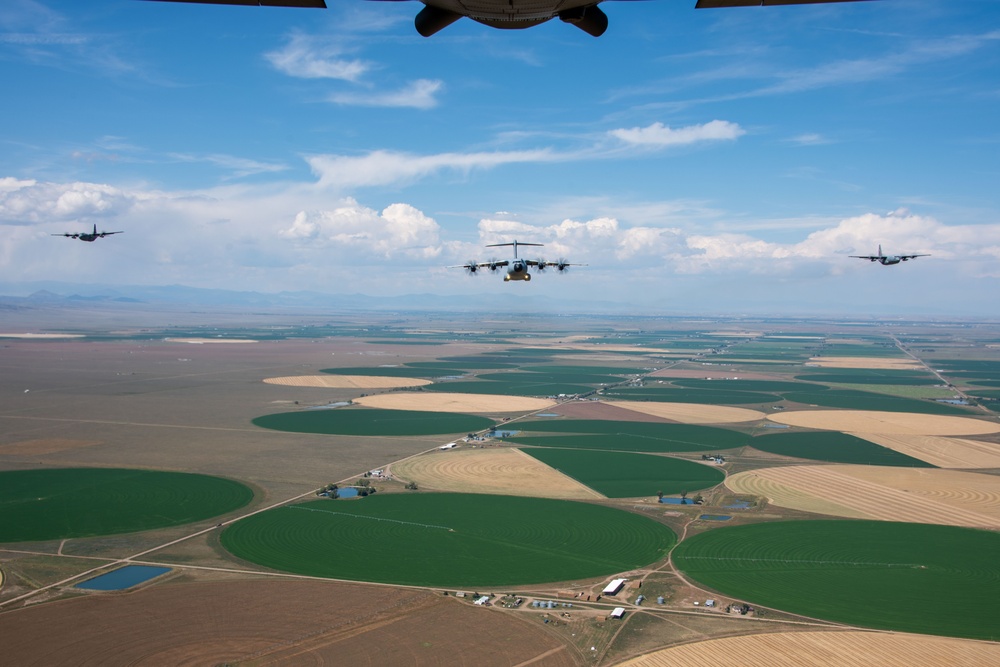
x=589, y=19
x=430, y=20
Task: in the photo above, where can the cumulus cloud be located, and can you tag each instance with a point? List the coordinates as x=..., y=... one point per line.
x=23, y=202
x=659, y=135
x=399, y=229
x=309, y=57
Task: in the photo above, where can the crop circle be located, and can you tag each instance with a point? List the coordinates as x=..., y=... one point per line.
x=442, y=539
x=894, y=576
x=38, y=505
x=372, y=421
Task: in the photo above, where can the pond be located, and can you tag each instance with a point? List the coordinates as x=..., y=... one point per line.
x=126, y=577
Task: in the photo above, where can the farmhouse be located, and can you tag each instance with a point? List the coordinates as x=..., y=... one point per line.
x=614, y=587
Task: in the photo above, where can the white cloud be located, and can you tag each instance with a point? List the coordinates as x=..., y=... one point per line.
x=31, y=201
x=391, y=167
x=388, y=167
x=238, y=165
x=400, y=229
x=660, y=135
x=419, y=94
x=309, y=57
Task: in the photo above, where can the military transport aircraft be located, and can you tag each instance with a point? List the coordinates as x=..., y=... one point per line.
x=89, y=237
x=517, y=268
x=438, y=14
x=886, y=260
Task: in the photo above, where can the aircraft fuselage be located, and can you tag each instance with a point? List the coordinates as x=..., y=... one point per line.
x=518, y=270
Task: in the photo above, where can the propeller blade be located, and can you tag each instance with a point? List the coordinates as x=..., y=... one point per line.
x=542, y=264
x=562, y=265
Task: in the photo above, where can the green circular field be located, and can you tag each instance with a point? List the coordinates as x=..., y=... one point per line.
x=38, y=505
x=373, y=421
x=909, y=577
x=449, y=539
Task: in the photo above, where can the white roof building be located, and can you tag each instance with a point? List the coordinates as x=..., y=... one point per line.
x=614, y=586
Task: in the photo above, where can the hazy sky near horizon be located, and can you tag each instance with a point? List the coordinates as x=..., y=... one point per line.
x=709, y=159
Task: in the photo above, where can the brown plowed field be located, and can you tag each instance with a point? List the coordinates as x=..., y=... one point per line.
x=917, y=495
x=893, y=423
x=827, y=649
x=881, y=363
x=347, y=381
x=273, y=622
x=597, y=410
x=691, y=413
x=508, y=472
x=39, y=447
x=445, y=402
x=939, y=451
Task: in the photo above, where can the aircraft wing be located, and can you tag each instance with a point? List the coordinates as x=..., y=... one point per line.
x=317, y=4
x=68, y=235
x=473, y=267
x=711, y=4
x=868, y=257
x=103, y=234
x=906, y=257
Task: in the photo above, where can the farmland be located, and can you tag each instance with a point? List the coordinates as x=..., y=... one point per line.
x=628, y=475
x=372, y=422
x=81, y=502
x=856, y=572
x=438, y=539
x=553, y=511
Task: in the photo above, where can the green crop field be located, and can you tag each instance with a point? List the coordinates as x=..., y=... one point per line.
x=458, y=365
x=907, y=577
x=629, y=436
x=438, y=539
x=38, y=505
x=747, y=385
x=703, y=396
x=523, y=387
x=835, y=448
x=371, y=421
x=551, y=378
x=844, y=376
x=584, y=370
x=902, y=390
x=627, y=475
x=866, y=400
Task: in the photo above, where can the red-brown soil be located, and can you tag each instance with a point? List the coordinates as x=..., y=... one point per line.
x=274, y=622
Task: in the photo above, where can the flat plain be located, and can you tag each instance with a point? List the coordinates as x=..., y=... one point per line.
x=135, y=396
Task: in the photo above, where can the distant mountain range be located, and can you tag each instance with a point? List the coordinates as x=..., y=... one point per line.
x=53, y=294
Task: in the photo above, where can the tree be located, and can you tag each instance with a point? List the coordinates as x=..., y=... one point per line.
x=659, y=495
x=412, y=486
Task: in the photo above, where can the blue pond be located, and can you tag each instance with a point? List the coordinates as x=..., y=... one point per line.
x=347, y=492
x=126, y=577
x=715, y=517
x=677, y=501
x=738, y=505
x=547, y=414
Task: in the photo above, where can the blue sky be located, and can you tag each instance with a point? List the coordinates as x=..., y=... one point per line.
x=698, y=161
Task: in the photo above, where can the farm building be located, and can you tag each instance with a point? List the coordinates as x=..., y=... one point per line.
x=617, y=612
x=614, y=587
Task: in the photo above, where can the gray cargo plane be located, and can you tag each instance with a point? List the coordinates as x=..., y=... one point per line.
x=886, y=260
x=511, y=14
x=89, y=237
x=517, y=268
